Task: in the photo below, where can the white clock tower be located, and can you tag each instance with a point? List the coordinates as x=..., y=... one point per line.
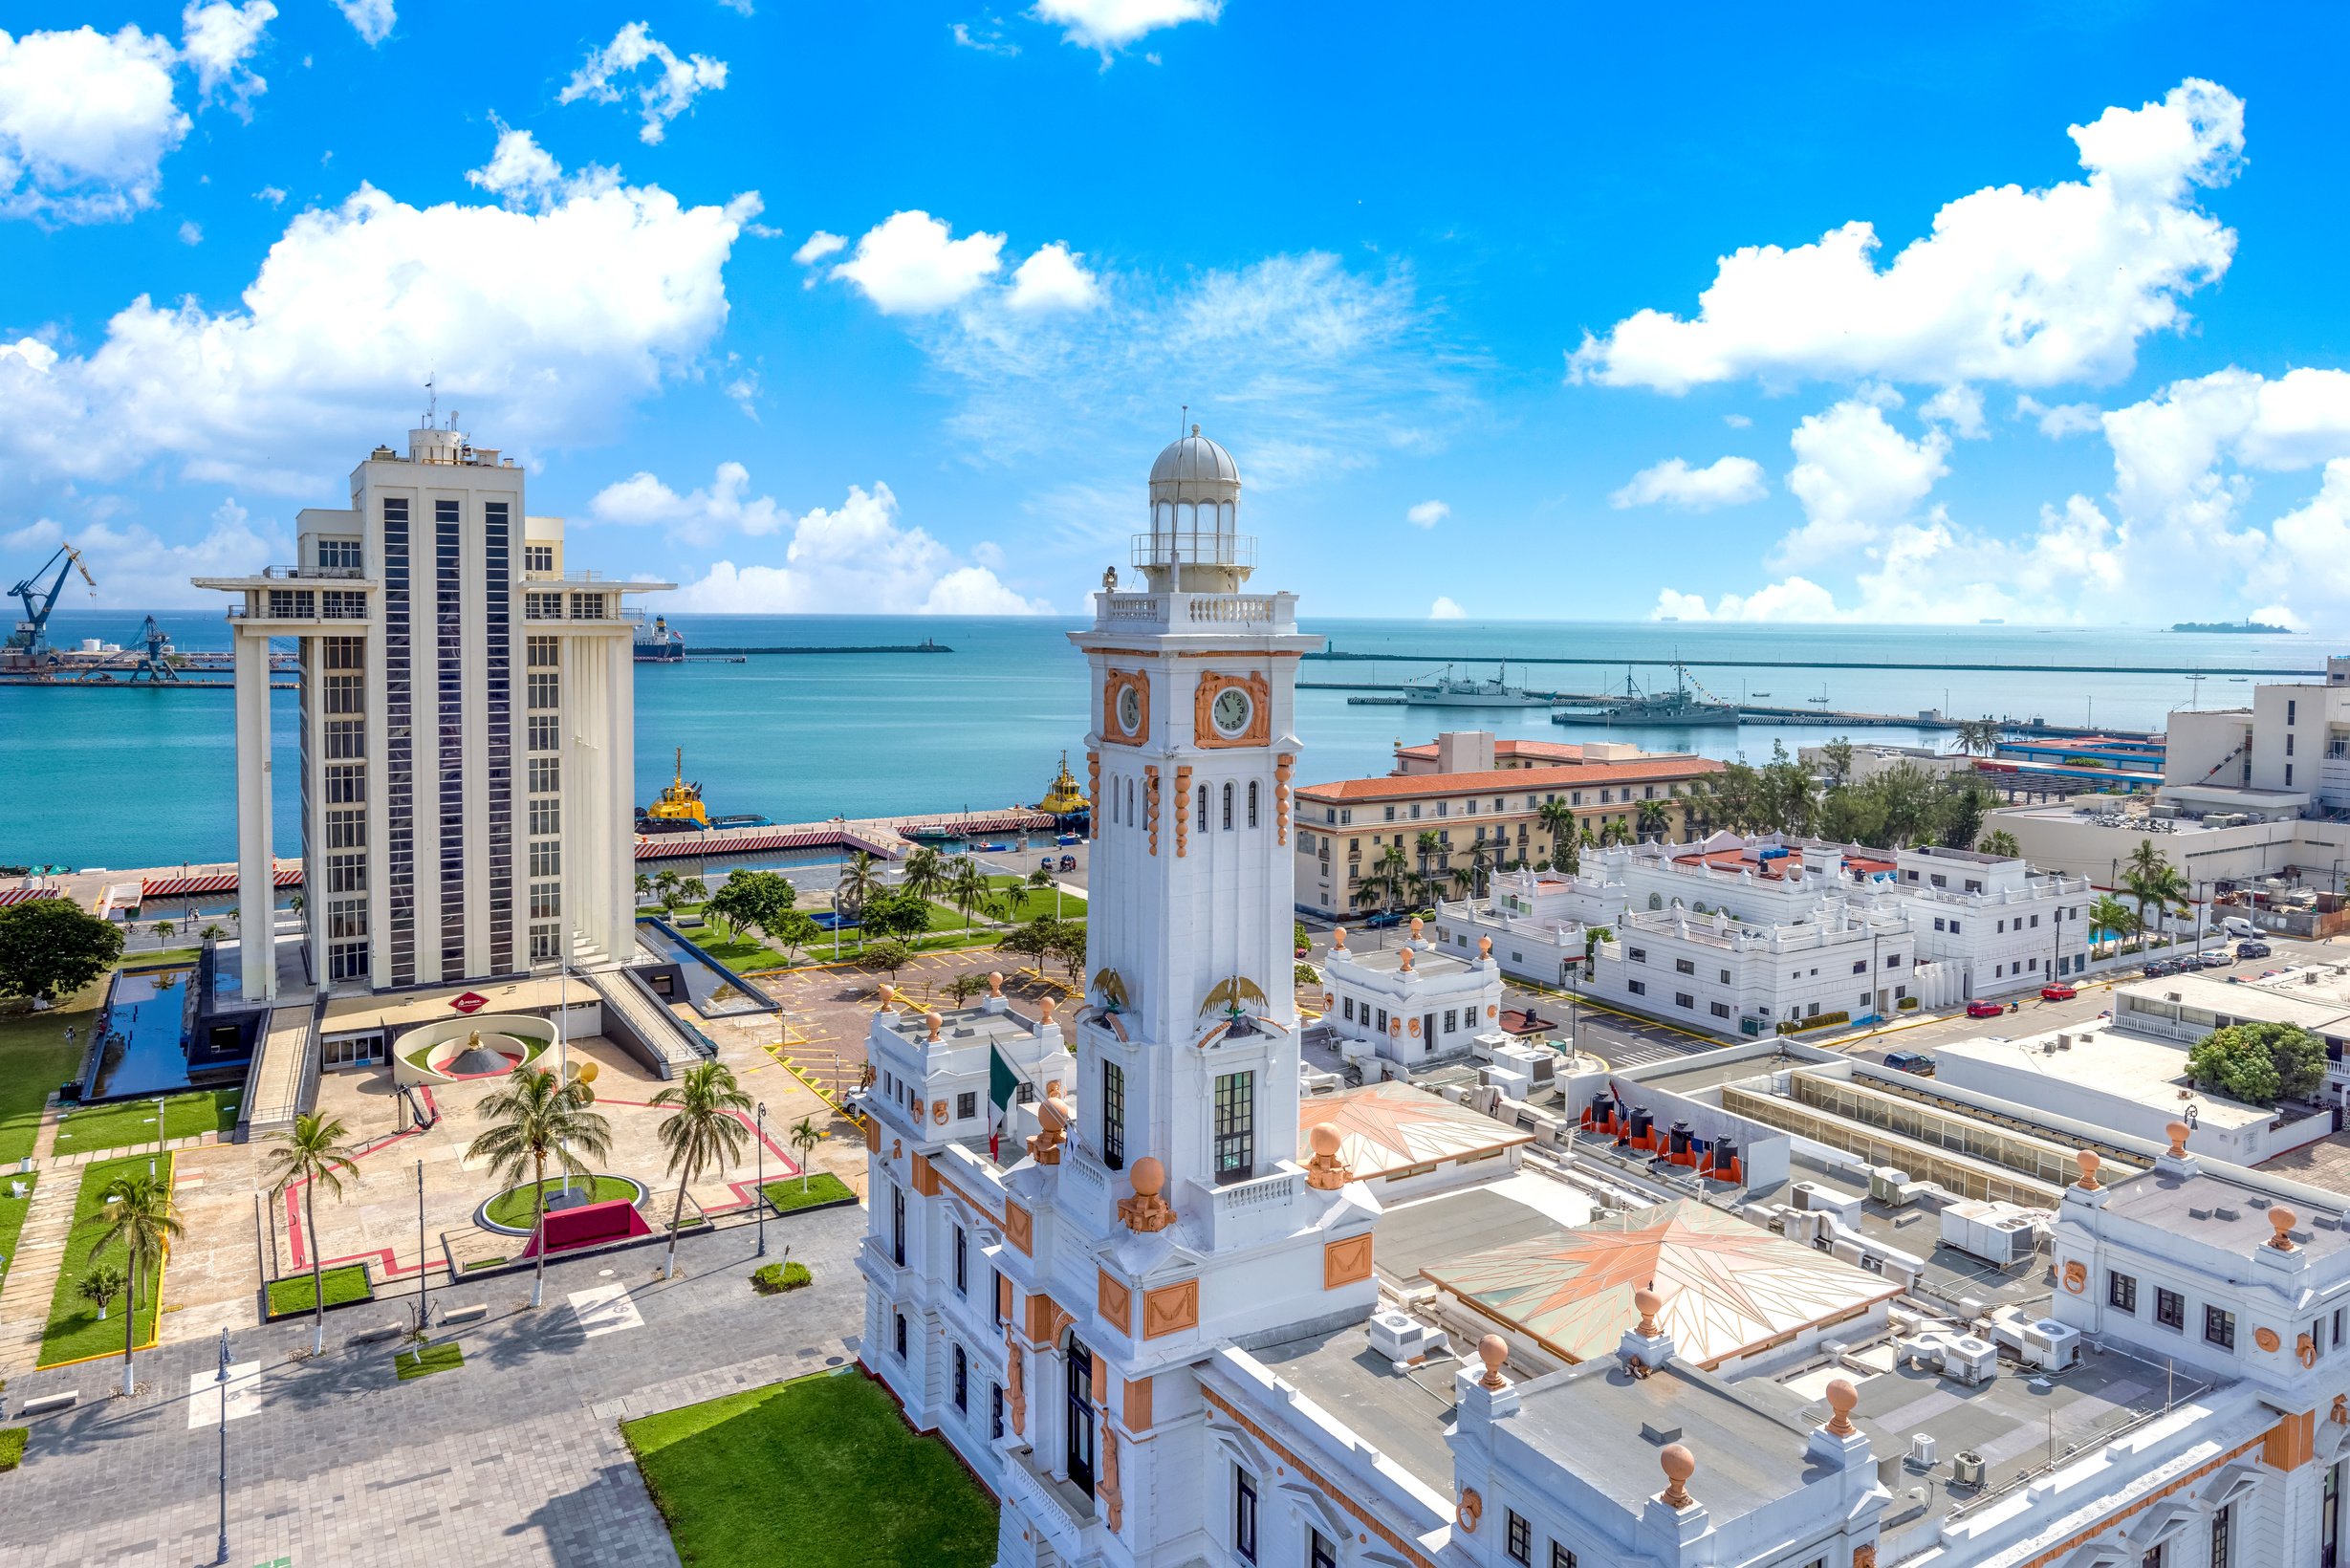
x=1179, y=1216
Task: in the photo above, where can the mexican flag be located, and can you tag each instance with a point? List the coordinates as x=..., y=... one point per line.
x=1003, y=1083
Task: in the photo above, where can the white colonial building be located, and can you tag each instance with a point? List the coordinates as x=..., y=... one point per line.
x=1413, y=1003
x=467, y=731
x=1738, y=935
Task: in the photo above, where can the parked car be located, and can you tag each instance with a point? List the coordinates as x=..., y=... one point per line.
x=1382, y=921
x=1911, y=1061
x=2251, y=949
x=1984, y=1009
x=2058, y=991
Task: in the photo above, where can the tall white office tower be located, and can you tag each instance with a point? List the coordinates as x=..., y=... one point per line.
x=1059, y=1313
x=466, y=739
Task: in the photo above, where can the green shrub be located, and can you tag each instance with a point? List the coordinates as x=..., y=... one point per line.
x=12, y=1447
x=423, y=1363
x=345, y=1283
x=1825, y=1020
x=821, y=1186
x=1907, y=1004
x=2260, y=1063
x=774, y=1278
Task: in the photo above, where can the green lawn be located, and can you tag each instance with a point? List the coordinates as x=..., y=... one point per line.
x=746, y=953
x=344, y=1283
x=34, y=1060
x=73, y=1329
x=445, y=1356
x=129, y=1124
x=12, y=1445
x=823, y=1187
x=143, y=960
x=13, y=1211
x=1038, y=901
x=518, y=1207
x=774, y=1278
x=817, y=1472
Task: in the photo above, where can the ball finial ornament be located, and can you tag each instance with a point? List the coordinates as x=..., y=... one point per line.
x=1492, y=1350
x=1842, y=1400
x=1148, y=1177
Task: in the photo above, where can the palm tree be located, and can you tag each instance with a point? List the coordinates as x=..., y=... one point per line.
x=297, y=903
x=311, y=1153
x=1480, y=866
x=2001, y=843
x=804, y=1139
x=1427, y=846
x=645, y=886
x=212, y=932
x=163, y=930
x=925, y=874
x=859, y=882
x=704, y=1129
x=2163, y=887
x=1555, y=815
x=1038, y=881
x=141, y=1214
x=967, y=887
x=2110, y=914
x=2146, y=860
x=538, y=1118
x=1656, y=820
x=1979, y=737
x=100, y=1286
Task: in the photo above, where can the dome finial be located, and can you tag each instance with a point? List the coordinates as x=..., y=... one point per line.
x=1195, y=429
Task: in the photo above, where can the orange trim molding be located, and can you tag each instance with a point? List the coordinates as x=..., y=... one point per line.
x=1115, y=1301
x=1170, y=1308
x=1150, y=802
x=1112, y=728
x=919, y=1176
x=1183, y=811
x=872, y=1135
x=1003, y=1296
x=1020, y=1228
x=1346, y=1262
x=1138, y=1405
x=2064, y=1548
x=2291, y=1443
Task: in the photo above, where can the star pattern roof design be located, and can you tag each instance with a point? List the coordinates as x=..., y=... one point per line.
x=1729, y=1286
x=1391, y=1126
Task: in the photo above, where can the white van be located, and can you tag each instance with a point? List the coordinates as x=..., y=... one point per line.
x=2236, y=926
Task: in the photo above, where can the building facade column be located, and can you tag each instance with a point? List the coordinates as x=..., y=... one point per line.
x=256, y=853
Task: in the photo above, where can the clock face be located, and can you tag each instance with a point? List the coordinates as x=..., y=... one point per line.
x=1233, y=712
x=1129, y=710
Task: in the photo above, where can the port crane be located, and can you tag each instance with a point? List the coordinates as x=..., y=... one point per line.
x=29, y=644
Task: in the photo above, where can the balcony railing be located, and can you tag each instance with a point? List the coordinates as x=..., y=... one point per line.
x=1193, y=546
x=338, y=573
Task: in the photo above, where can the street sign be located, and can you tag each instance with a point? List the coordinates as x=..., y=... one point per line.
x=469, y=1002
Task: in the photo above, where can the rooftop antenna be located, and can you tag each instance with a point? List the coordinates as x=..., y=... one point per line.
x=1184, y=421
x=433, y=401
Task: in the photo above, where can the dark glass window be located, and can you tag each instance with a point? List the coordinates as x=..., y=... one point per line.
x=963, y=1261
x=995, y=1408
x=2169, y=1308
x=1081, y=1417
x=897, y=1225
x=1235, y=1126
x=1324, y=1555
x=1243, y=1515
x=901, y=1316
x=1560, y=1557
x=2219, y=1327
x=2121, y=1291
x=963, y=1374
x=1517, y=1536
x=1113, y=1115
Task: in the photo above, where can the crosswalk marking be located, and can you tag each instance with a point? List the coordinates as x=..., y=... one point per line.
x=605, y=1309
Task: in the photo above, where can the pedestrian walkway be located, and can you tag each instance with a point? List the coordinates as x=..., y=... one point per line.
x=274, y=1091
x=33, y=1272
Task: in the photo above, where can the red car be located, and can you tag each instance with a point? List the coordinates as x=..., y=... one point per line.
x=2058, y=991
x=1984, y=1009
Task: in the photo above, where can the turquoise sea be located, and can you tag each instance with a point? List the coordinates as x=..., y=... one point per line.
x=134, y=778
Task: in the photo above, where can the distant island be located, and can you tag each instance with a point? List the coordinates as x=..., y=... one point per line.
x=2233, y=626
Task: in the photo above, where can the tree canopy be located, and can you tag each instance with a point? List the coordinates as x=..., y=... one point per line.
x=1891, y=809
x=52, y=948
x=2260, y=1063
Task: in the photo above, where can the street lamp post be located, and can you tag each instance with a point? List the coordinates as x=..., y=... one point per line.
x=222, y=1378
x=760, y=1139
x=423, y=1304
x=158, y=1135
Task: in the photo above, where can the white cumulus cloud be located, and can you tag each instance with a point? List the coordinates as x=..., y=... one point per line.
x=1444, y=609
x=701, y=517
x=2030, y=288
x=675, y=83
x=1109, y=25
x=544, y=325
x=217, y=39
x=1428, y=514
x=373, y=18
x=135, y=567
x=85, y=121
x=2056, y=420
x=910, y=264
x=1053, y=280
x=819, y=246
x=1724, y=482
x=856, y=558
x=1856, y=475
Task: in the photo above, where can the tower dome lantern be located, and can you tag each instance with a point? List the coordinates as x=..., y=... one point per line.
x=1195, y=544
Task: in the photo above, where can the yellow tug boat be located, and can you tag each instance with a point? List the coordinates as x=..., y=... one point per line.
x=679, y=807
x=1063, y=798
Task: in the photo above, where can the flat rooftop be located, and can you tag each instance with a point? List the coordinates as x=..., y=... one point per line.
x=1608, y=1428
x=1414, y=1235
x=1404, y=1414
x=1950, y=1273
x=2314, y=1007
x=1428, y=961
x=2103, y=1058
x=2222, y=1212
x=959, y=1026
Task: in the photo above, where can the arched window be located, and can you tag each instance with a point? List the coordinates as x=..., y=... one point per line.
x=1203, y=808
x=1227, y=808
x=1079, y=1423
x=1252, y=802
x=1130, y=802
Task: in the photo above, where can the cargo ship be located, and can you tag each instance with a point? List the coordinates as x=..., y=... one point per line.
x=657, y=641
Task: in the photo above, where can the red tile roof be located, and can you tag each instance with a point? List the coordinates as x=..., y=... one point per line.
x=1777, y=867
x=1514, y=780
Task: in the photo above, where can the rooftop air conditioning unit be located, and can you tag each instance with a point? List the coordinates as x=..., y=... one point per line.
x=2050, y=1344
x=1921, y=1455
x=1885, y=1183
x=1967, y=1468
x=1970, y=1360
x=1403, y=1339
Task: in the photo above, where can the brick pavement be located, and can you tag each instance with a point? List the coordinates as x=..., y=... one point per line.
x=513, y=1458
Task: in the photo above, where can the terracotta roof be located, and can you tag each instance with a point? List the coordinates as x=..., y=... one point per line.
x=1393, y=1126
x=1778, y=866
x=1514, y=780
x=1729, y=1287
x=1562, y=750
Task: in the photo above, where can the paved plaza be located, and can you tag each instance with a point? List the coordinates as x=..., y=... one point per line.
x=513, y=1458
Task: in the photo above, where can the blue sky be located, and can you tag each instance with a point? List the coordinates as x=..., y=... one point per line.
x=886, y=308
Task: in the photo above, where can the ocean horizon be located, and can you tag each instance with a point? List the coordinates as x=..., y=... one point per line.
x=132, y=778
